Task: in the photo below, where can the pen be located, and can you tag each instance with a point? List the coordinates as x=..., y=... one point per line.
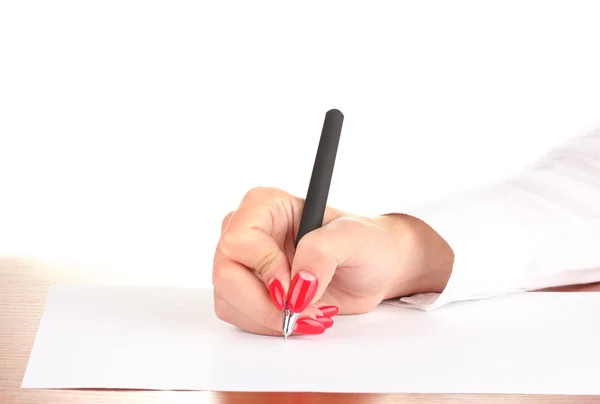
x=318, y=191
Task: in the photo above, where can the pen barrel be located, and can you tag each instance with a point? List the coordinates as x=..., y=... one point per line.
x=320, y=180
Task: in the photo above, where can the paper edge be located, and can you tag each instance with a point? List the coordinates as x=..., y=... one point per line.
x=26, y=373
x=25, y=383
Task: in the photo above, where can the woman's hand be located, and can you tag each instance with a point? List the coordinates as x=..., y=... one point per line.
x=357, y=263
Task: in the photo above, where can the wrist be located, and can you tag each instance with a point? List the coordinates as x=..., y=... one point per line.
x=425, y=259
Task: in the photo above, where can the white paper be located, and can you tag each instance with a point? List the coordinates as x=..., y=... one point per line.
x=169, y=338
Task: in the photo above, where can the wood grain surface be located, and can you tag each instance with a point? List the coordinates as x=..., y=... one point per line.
x=23, y=288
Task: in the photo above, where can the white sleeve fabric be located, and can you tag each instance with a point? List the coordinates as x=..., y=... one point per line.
x=537, y=229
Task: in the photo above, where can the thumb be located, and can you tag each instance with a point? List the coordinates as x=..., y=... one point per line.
x=317, y=256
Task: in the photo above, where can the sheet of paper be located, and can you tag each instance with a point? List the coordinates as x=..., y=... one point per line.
x=169, y=338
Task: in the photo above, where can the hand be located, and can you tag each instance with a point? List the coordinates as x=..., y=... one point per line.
x=355, y=262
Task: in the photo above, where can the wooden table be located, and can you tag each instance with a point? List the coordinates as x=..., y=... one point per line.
x=23, y=288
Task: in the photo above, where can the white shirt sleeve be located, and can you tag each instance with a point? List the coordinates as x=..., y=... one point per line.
x=537, y=229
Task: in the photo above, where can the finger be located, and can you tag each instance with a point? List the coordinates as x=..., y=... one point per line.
x=235, y=283
x=225, y=311
x=230, y=314
x=248, y=306
x=251, y=238
x=328, y=310
x=318, y=255
x=325, y=313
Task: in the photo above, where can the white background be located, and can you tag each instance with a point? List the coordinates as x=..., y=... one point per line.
x=129, y=129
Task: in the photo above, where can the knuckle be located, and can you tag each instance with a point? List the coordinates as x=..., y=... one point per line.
x=220, y=278
x=349, y=224
x=225, y=221
x=222, y=310
x=254, y=194
x=260, y=194
x=237, y=244
x=231, y=242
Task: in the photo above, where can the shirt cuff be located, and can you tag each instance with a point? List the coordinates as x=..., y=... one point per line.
x=536, y=229
x=489, y=239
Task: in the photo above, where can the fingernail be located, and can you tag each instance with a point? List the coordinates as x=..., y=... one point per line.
x=326, y=321
x=329, y=311
x=309, y=326
x=302, y=291
x=276, y=293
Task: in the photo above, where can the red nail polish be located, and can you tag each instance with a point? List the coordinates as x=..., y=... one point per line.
x=309, y=326
x=326, y=321
x=329, y=311
x=276, y=293
x=302, y=291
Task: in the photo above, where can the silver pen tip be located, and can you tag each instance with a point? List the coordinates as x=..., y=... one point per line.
x=289, y=323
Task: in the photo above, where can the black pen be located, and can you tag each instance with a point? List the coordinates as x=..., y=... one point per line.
x=318, y=191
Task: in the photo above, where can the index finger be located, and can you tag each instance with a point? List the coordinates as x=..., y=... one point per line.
x=244, y=291
x=255, y=236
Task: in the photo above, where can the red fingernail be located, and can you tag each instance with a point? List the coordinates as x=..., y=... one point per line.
x=309, y=326
x=326, y=321
x=302, y=291
x=276, y=293
x=329, y=311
